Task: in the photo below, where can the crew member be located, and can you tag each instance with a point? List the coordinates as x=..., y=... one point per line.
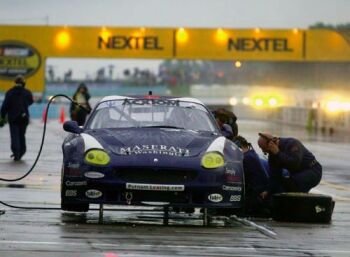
x=81, y=96
x=256, y=179
x=15, y=107
x=292, y=166
x=227, y=122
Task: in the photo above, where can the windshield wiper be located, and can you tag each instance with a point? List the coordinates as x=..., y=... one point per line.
x=162, y=126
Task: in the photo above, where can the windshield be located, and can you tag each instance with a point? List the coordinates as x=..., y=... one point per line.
x=128, y=113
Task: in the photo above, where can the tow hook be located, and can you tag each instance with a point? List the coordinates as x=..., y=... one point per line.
x=128, y=197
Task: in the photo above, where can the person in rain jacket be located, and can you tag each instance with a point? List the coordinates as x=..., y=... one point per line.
x=81, y=96
x=15, y=109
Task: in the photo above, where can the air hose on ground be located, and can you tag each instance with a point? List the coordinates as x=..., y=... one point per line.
x=38, y=155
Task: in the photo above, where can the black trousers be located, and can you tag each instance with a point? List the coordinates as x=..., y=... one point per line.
x=301, y=181
x=18, y=141
x=79, y=116
x=308, y=178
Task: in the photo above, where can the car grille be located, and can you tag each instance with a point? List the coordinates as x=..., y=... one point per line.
x=149, y=175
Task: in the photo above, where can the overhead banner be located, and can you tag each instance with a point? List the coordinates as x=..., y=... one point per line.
x=111, y=42
x=225, y=44
x=23, y=49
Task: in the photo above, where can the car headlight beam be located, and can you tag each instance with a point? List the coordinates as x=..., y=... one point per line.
x=212, y=160
x=97, y=157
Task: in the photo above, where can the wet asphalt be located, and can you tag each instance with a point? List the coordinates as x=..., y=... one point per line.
x=141, y=232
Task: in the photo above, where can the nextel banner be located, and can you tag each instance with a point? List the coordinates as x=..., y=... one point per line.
x=118, y=42
x=247, y=44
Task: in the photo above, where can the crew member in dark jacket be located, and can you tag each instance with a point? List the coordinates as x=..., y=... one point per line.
x=256, y=179
x=15, y=107
x=293, y=167
x=227, y=122
x=81, y=96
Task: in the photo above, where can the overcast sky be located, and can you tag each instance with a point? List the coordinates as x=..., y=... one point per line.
x=172, y=13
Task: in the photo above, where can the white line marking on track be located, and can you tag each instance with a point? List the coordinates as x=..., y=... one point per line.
x=250, y=249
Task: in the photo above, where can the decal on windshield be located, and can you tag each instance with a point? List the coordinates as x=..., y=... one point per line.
x=152, y=101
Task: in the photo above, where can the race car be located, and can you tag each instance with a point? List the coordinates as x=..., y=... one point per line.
x=150, y=150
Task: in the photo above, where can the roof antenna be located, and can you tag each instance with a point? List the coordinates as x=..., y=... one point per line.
x=149, y=92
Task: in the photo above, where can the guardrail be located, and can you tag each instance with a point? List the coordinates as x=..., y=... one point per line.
x=312, y=119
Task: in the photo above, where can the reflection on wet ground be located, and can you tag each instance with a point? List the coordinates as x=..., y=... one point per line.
x=142, y=233
x=137, y=216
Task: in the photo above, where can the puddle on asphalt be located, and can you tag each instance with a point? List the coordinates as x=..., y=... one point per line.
x=145, y=218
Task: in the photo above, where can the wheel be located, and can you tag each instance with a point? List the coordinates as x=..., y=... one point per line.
x=76, y=207
x=302, y=207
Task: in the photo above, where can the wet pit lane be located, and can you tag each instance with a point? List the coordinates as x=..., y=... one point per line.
x=142, y=233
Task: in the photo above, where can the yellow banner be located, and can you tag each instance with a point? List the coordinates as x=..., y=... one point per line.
x=224, y=44
x=327, y=45
x=110, y=42
x=24, y=49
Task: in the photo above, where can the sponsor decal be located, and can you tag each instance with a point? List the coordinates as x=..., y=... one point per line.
x=73, y=165
x=216, y=198
x=72, y=172
x=319, y=209
x=120, y=42
x=18, y=58
x=262, y=44
x=76, y=183
x=154, y=187
x=231, y=171
x=93, y=193
x=231, y=188
x=235, y=198
x=71, y=193
x=154, y=149
x=156, y=203
x=156, y=102
x=93, y=174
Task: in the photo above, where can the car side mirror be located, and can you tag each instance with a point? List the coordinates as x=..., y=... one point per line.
x=72, y=127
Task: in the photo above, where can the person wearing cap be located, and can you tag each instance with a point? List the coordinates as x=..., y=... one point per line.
x=293, y=167
x=15, y=109
x=256, y=179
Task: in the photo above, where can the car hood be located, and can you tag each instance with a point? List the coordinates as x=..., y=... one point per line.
x=172, y=142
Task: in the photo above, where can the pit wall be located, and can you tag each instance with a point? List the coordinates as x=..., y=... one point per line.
x=313, y=119
x=309, y=118
x=299, y=106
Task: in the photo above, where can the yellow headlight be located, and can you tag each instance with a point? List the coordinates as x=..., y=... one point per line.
x=97, y=157
x=212, y=160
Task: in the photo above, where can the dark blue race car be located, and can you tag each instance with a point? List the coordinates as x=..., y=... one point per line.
x=150, y=150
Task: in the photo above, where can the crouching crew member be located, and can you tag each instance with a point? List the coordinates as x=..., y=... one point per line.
x=293, y=168
x=256, y=179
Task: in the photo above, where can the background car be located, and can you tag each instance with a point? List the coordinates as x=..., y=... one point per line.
x=150, y=150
